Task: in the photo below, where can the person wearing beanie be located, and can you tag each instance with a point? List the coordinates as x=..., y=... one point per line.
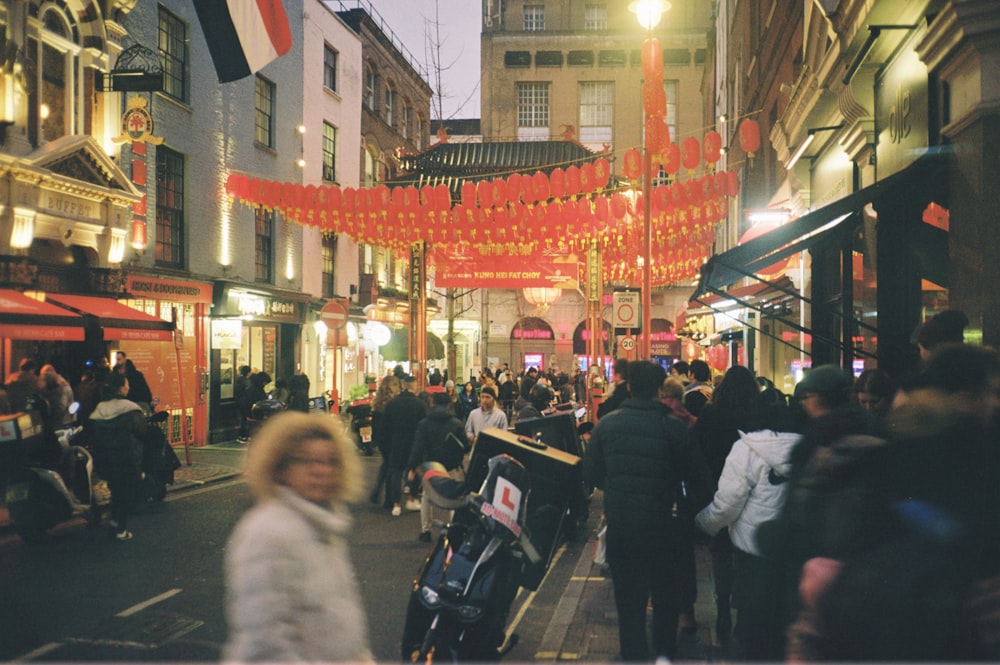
x=947, y=327
x=487, y=415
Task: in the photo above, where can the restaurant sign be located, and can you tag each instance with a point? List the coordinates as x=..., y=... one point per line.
x=556, y=271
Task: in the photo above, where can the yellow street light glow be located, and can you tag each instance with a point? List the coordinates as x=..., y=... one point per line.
x=649, y=12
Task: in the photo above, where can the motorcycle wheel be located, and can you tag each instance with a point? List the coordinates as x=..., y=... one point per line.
x=415, y=630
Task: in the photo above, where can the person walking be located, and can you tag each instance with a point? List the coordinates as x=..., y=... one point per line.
x=401, y=416
x=467, y=401
x=291, y=591
x=22, y=384
x=118, y=427
x=619, y=389
x=639, y=455
x=487, y=415
x=58, y=395
x=387, y=390
x=698, y=392
x=440, y=437
x=139, y=391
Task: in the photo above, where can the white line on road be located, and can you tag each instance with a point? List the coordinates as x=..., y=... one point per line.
x=527, y=601
x=146, y=603
x=183, y=494
x=37, y=653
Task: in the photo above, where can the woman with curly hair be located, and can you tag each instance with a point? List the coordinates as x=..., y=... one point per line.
x=291, y=593
x=389, y=388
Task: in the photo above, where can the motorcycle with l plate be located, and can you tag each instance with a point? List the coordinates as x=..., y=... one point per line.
x=458, y=607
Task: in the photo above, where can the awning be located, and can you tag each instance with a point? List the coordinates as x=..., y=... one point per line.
x=398, y=347
x=435, y=347
x=22, y=317
x=119, y=322
x=834, y=220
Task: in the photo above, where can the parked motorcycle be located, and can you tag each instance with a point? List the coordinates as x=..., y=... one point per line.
x=460, y=599
x=50, y=477
x=360, y=411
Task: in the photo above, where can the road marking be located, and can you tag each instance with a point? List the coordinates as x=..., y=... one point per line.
x=37, y=653
x=531, y=596
x=146, y=603
x=588, y=579
x=182, y=494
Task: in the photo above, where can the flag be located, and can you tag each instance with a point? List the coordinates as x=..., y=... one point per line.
x=243, y=35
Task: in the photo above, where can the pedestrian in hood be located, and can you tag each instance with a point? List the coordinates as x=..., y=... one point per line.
x=118, y=427
x=751, y=492
x=291, y=592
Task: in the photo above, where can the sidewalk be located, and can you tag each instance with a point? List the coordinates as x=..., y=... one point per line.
x=584, y=626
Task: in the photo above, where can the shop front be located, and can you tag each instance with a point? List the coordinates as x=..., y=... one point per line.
x=532, y=340
x=255, y=327
x=183, y=389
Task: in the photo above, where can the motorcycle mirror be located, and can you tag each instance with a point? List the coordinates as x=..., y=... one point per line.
x=73, y=408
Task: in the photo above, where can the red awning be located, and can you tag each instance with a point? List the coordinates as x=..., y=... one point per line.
x=118, y=321
x=22, y=317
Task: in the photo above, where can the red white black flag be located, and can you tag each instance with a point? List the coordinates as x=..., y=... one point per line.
x=243, y=35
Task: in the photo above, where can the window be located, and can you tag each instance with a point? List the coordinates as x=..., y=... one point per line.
x=534, y=17
x=263, y=243
x=329, y=68
x=580, y=58
x=329, y=263
x=671, y=86
x=264, y=103
x=420, y=132
x=390, y=103
x=371, y=84
x=173, y=47
x=517, y=59
x=612, y=58
x=404, y=127
x=57, y=78
x=596, y=112
x=329, y=152
x=169, y=207
x=533, y=111
x=595, y=17
x=371, y=170
x=549, y=59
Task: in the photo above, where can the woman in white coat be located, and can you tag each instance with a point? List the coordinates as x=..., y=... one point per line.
x=751, y=492
x=291, y=593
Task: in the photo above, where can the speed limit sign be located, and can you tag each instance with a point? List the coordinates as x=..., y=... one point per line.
x=628, y=343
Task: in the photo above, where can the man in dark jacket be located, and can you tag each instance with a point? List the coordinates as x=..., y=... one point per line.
x=440, y=437
x=620, y=392
x=639, y=455
x=401, y=416
x=118, y=427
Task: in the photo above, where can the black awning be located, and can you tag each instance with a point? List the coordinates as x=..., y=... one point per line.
x=837, y=218
x=435, y=347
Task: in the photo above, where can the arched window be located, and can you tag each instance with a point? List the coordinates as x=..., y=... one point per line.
x=389, y=107
x=371, y=85
x=406, y=119
x=57, y=79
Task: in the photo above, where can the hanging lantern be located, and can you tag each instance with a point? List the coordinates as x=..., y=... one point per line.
x=652, y=58
x=632, y=164
x=619, y=206
x=484, y=193
x=468, y=194
x=541, y=182
x=712, y=147
x=557, y=183
x=514, y=187
x=588, y=180
x=749, y=137
x=732, y=184
x=499, y=192
x=442, y=197
x=690, y=153
x=654, y=98
x=672, y=159
x=572, y=180
x=602, y=172
x=542, y=298
x=655, y=130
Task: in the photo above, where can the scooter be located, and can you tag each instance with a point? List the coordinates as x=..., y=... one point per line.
x=460, y=599
x=51, y=477
x=159, y=461
x=360, y=411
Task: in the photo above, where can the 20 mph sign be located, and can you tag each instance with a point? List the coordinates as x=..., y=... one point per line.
x=625, y=309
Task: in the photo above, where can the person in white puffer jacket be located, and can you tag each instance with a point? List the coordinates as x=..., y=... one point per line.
x=751, y=492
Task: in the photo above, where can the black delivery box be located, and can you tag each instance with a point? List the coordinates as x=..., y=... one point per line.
x=555, y=478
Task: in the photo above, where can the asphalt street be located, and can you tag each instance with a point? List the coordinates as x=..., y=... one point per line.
x=83, y=596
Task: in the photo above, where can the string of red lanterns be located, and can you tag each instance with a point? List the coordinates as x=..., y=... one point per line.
x=523, y=215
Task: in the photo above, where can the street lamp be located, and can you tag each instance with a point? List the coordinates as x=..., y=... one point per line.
x=648, y=13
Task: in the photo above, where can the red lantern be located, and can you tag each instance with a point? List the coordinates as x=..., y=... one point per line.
x=588, y=180
x=732, y=184
x=692, y=192
x=541, y=185
x=719, y=184
x=573, y=181
x=619, y=206
x=557, y=183
x=712, y=147
x=426, y=194
x=672, y=159
x=442, y=197
x=654, y=98
x=652, y=59
x=690, y=153
x=749, y=136
x=514, y=187
x=499, y=192
x=528, y=190
x=484, y=192
x=632, y=164
x=468, y=194
x=601, y=208
x=602, y=171
x=678, y=195
x=655, y=130
x=411, y=199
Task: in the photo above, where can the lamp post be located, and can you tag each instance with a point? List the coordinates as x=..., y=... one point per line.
x=648, y=13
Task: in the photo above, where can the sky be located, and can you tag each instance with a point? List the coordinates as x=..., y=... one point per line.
x=413, y=23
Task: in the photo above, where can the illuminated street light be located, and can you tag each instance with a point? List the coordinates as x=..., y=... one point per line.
x=648, y=13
